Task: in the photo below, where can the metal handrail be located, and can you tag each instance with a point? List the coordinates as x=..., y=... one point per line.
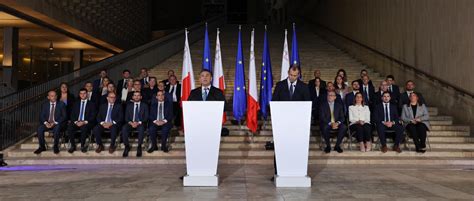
x=401, y=63
x=32, y=92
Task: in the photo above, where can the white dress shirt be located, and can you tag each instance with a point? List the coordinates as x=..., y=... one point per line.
x=173, y=89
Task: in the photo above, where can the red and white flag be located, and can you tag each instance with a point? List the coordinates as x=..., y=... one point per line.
x=285, y=60
x=218, y=80
x=252, y=97
x=187, y=82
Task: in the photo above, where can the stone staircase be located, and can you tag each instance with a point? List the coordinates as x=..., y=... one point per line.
x=451, y=144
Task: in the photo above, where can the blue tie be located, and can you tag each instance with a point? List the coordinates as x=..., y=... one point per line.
x=109, y=114
x=204, y=95
x=81, y=113
x=136, y=113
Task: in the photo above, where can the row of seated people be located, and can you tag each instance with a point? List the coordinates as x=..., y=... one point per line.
x=85, y=117
x=138, y=115
x=386, y=109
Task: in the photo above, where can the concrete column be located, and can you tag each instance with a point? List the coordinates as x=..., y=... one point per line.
x=10, y=56
x=77, y=59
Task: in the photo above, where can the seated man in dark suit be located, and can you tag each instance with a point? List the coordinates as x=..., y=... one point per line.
x=110, y=117
x=174, y=90
x=368, y=90
x=330, y=88
x=103, y=98
x=393, y=89
x=351, y=96
x=386, y=118
x=98, y=83
x=82, y=118
x=137, y=86
x=331, y=117
x=136, y=116
x=92, y=95
x=52, y=117
x=161, y=118
x=206, y=92
x=122, y=84
x=167, y=81
x=364, y=73
x=404, y=97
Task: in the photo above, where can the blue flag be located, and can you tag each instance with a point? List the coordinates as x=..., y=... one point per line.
x=206, y=57
x=295, y=57
x=266, y=82
x=240, y=96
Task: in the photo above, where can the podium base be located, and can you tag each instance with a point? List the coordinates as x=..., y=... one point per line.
x=201, y=180
x=289, y=181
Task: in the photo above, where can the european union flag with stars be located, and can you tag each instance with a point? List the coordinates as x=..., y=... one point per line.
x=240, y=98
x=266, y=82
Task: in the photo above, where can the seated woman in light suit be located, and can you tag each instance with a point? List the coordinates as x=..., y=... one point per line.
x=359, y=118
x=415, y=116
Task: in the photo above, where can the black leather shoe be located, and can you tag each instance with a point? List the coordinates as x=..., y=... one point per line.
x=152, y=149
x=39, y=150
x=125, y=151
x=56, y=150
x=338, y=149
x=84, y=149
x=327, y=150
x=165, y=149
x=72, y=149
x=139, y=151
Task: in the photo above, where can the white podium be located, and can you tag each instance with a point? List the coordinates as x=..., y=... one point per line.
x=202, y=136
x=291, y=123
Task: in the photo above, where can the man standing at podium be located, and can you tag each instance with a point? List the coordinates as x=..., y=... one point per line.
x=291, y=89
x=206, y=92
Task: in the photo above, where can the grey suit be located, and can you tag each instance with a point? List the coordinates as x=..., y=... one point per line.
x=421, y=112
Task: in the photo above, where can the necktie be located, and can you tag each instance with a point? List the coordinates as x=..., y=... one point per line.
x=390, y=88
x=81, y=113
x=366, y=91
x=51, y=113
x=109, y=114
x=387, y=116
x=291, y=90
x=204, y=95
x=160, y=112
x=172, y=90
x=124, y=83
x=332, y=115
x=135, y=114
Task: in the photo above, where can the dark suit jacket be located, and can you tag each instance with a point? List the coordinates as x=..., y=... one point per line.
x=395, y=94
x=282, y=92
x=130, y=95
x=89, y=112
x=325, y=113
x=149, y=94
x=70, y=102
x=59, y=112
x=167, y=111
x=103, y=99
x=215, y=94
x=95, y=97
x=119, y=87
x=378, y=113
x=178, y=92
x=142, y=81
x=370, y=100
x=311, y=84
x=378, y=98
x=349, y=100
x=362, y=83
x=404, y=99
x=143, y=113
x=117, y=113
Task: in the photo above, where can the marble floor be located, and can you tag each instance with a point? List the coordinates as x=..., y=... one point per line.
x=244, y=182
